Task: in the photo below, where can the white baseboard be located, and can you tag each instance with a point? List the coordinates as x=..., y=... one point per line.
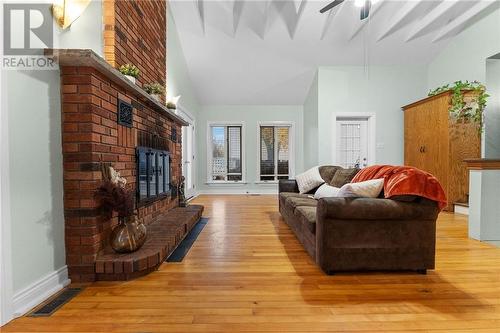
x=461, y=210
x=39, y=291
x=223, y=191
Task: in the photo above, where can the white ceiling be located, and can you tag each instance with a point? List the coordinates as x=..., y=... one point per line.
x=266, y=52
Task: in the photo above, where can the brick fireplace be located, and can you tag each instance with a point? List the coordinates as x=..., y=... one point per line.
x=92, y=93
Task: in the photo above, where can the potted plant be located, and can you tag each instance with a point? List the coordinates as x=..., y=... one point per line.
x=172, y=103
x=154, y=89
x=131, y=72
x=468, y=101
x=129, y=235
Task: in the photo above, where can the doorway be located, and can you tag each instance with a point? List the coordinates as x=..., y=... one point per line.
x=188, y=154
x=354, y=140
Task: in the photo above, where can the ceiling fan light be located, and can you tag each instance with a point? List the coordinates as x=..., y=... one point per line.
x=359, y=3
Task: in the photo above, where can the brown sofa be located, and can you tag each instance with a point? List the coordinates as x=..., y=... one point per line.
x=355, y=234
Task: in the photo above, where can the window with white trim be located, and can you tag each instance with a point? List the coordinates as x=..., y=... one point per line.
x=226, y=159
x=275, y=152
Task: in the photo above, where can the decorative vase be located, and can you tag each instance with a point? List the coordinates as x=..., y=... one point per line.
x=131, y=78
x=128, y=236
x=156, y=97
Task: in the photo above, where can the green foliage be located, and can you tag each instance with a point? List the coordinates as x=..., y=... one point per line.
x=130, y=70
x=470, y=109
x=154, y=88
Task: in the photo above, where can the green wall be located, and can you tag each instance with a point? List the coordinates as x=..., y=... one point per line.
x=381, y=90
x=251, y=115
x=311, y=126
x=35, y=157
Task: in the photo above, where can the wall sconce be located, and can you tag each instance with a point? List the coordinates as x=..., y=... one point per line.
x=66, y=12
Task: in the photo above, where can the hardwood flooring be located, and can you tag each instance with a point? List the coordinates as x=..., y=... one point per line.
x=248, y=273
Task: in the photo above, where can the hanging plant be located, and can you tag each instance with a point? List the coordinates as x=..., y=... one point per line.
x=466, y=108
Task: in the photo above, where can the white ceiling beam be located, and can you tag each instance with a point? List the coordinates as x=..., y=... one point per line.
x=432, y=17
x=455, y=26
x=237, y=10
x=329, y=19
x=201, y=13
x=399, y=18
x=300, y=11
x=361, y=23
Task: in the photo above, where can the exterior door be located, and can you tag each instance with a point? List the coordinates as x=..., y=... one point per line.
x=352, y=143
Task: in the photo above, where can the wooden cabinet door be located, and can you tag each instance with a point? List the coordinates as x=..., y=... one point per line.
x=414, y=137
x=436, y=147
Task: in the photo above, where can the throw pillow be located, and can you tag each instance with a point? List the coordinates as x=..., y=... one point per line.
x=326, y=191
x=366, y=189
x=309, y=180
x=343, y=176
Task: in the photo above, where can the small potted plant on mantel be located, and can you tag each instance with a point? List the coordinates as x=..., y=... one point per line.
x=131, y=72
x=155, y=90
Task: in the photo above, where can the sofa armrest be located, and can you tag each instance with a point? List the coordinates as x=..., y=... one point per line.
x=288, y=185
x=374, y=209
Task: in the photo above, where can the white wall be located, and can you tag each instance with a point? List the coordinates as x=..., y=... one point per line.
x=251, y=116
x=465, y=59
x=178, y=80
x=32, y=100
x=465, y=55
x=382, y=91
x=311, y=126
x=492, y=112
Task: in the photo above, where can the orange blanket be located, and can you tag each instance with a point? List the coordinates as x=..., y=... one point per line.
x=405, y=180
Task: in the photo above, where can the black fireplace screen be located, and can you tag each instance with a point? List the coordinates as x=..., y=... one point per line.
x=153, y=173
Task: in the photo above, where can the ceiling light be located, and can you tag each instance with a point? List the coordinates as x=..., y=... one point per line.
x=361, y=3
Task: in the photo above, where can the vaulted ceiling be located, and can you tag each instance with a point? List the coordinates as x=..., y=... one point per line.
x=266, y=52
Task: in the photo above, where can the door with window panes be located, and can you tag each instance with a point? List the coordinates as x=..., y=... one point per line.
x=274, y=153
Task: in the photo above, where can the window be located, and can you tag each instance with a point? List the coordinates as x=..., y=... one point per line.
x=153, y=168
x=226, y=153
x=275, y=152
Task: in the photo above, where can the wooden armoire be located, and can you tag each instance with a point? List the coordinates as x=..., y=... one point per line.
x=438, y=144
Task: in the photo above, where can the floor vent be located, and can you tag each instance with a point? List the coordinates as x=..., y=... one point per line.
x=184, y=246
x=54, y=304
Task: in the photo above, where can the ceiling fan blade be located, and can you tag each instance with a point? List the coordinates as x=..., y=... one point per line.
x=365, y=10
x=331, y=5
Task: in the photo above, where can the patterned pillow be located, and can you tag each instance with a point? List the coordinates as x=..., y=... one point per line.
x=309, y=180
x=343, y=176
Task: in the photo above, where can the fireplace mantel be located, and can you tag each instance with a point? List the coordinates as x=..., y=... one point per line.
x=88, y=58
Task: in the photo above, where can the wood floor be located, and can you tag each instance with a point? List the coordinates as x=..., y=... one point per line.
x=248, y=273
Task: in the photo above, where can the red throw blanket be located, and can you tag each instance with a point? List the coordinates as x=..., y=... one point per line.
x=405, y=180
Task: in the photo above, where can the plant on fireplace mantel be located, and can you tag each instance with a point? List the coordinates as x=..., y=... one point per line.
x=131, y=72
x=129, y=235
x=155, y=90
x=464, y=107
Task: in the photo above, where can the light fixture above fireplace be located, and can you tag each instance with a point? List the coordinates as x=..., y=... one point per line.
x=66, y=12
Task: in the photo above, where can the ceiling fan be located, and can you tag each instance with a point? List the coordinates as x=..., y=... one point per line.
x=364, y=4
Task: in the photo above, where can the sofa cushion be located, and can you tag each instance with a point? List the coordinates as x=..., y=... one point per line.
x=367, y=189
x=285, y=195
x=343, y=176
x=294, y=202
x=328, y=171
x=307, y=216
